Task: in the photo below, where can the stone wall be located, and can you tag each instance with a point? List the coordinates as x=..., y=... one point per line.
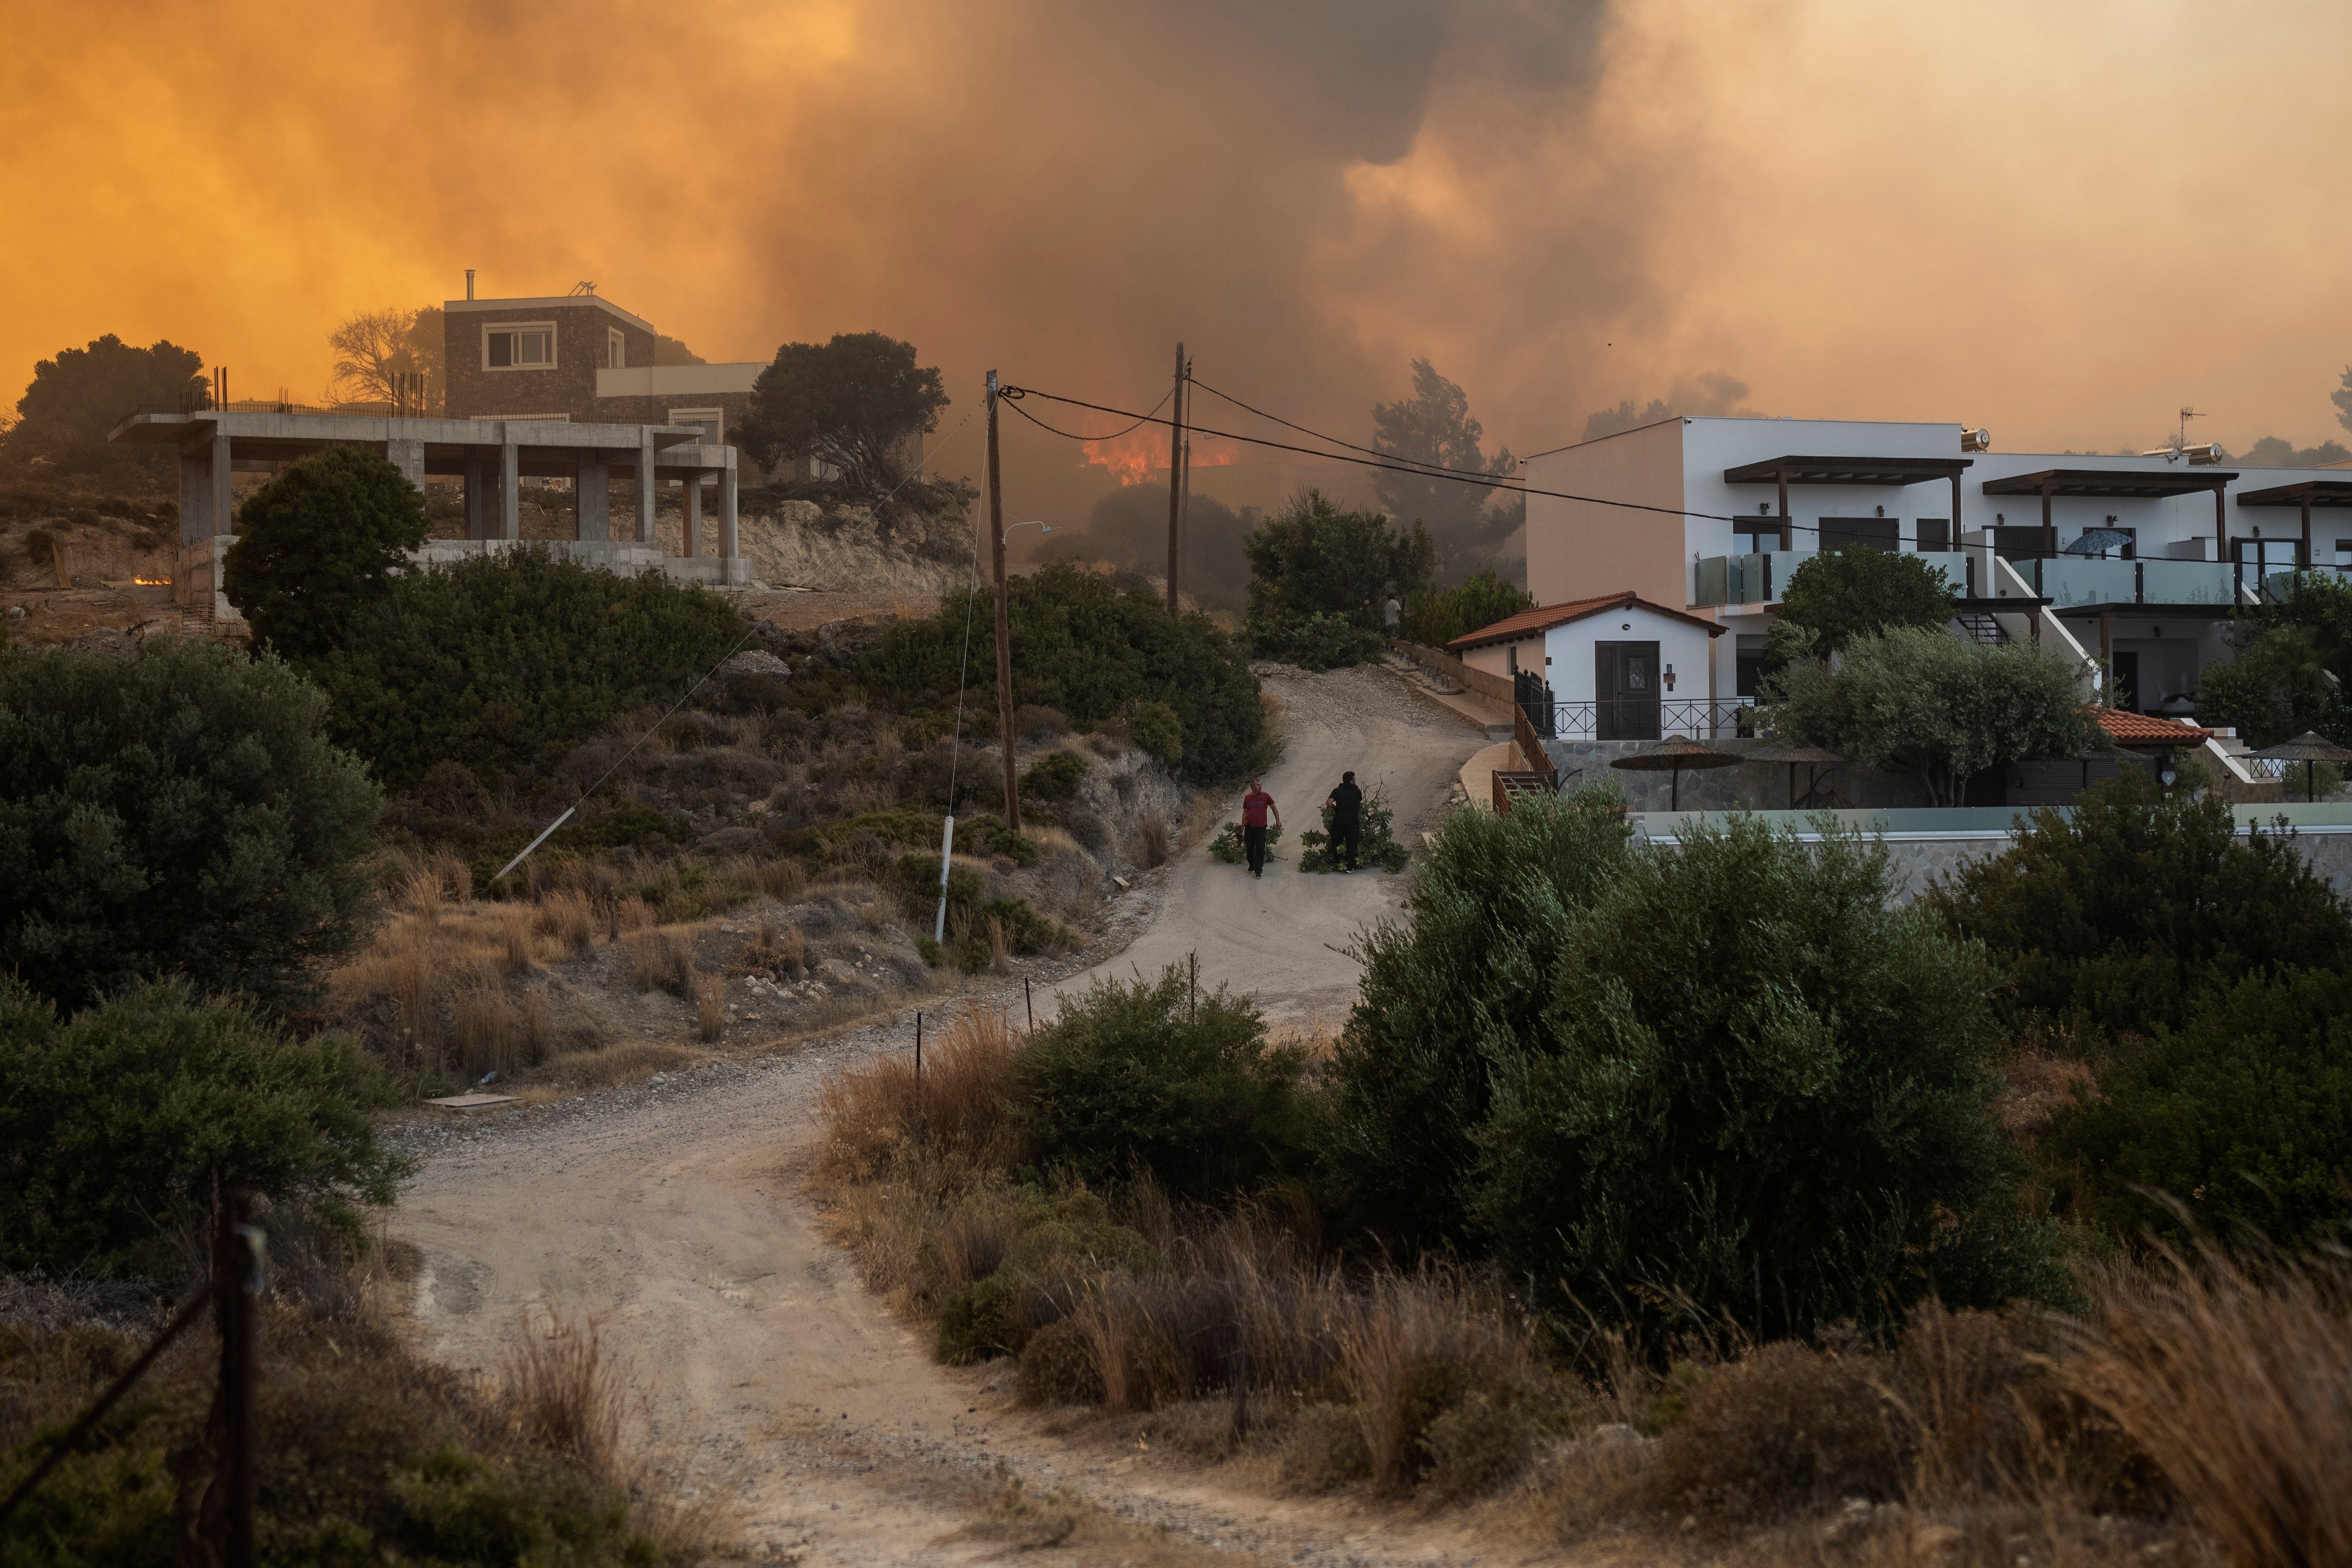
x=568, y=386
x=1751, y=786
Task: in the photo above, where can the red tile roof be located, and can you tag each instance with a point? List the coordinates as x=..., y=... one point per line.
x=1535, y=622
x=2146, y=730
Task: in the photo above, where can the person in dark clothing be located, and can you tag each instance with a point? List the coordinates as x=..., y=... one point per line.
x=1347, y=803
x=1254, y=806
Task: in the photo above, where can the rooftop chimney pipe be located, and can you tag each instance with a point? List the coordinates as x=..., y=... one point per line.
x=469, y=282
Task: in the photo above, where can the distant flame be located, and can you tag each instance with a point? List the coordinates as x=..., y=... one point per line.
x=1135, y=457
x=1131, y=457
x=152, y=582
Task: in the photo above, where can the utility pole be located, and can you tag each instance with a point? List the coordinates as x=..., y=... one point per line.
x=1175, y=477
x=1004, y=618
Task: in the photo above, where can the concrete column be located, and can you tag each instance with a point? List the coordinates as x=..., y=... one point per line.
x=731, y=546
x=595, y=491
x=475, y=483
x=224, y=504
x=692, y=506
x=646, y=534
x=196, y=492
x=408, y=456
x=510, y=490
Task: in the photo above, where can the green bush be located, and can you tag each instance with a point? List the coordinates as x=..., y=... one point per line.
x=1447, y=996
x=2241, y=1117
x=505, y=662
x=1932, y=703
x=2132, y=907
x=1320, y=580
x=1056, y=1245
x=1152, y=1075
x=116, y=1126
x=1762, y=1093
x=1057, y=1367
x=1093, y=648
x=1856, y=590
x=318, y=544
x=1434, y=619
x=178, y=812
x=1158, y=729
x=1054, y=776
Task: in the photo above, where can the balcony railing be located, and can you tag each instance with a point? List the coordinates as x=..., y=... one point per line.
x=1630, y=718
x=2066, y=581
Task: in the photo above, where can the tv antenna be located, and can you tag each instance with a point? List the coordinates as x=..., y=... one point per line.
x=2186, y=415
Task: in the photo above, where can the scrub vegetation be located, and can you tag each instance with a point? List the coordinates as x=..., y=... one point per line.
x=1700, y=1201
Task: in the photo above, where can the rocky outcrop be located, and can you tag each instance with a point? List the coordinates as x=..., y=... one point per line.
x=849, y=549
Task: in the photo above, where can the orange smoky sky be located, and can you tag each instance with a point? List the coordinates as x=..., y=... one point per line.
x=2063, y=221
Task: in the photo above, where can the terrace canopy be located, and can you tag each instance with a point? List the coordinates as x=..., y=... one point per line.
x=2120, y=484
x=1879, y=472
x=2305, y=494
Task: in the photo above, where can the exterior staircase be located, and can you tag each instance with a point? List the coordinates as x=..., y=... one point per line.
x=1981, y=628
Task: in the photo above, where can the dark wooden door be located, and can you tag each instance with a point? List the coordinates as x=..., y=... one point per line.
x=1626, y=684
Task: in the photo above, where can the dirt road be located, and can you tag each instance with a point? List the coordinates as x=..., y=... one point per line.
x=1282, y=936
x=760, y=1365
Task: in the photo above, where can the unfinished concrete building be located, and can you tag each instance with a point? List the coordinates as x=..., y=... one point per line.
x=493, y=456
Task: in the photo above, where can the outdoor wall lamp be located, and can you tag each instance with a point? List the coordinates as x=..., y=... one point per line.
x=1879, y=510
x=2167, y=773
x=1763, y=509
x=1670, y=678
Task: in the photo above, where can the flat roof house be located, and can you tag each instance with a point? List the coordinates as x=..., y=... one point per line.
x=579, y=357
x=2138, y=560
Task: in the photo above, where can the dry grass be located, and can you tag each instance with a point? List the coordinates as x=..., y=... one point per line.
x=563, y=1394
x=2236, y=1379
x=626, y=1062
x=1152, y=843
x=881, y=1121
x=569, y=918
x=662, y=958
x=709, y=1008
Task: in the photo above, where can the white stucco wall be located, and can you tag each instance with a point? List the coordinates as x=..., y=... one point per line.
x=1572, y=666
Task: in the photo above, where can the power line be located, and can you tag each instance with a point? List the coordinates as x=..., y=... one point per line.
x=1303, y=430
x=1013, y=394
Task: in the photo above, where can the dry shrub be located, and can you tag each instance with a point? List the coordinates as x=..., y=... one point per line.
x=631, y=913
x=662, y=959
x=1418, y=1348
x=1057, y=1367
x=2234, y=1376
x=781, y=879
x=1152, y=842
x=490, y=1033
x=1782, y=1429
x=709, y=1008
x=878, y=1118
x=1324, y=1448
x=626, y=1062
x=998, y=949
x=569, y=918
x=563, y=1392
x=514, y=940
x=537, y=1026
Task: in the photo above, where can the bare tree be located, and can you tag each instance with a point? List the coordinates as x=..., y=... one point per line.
x=372, y=351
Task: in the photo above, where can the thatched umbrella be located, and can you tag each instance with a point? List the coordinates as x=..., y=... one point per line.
x=2311, y=748
x=1673, y=754
x=1792, y=752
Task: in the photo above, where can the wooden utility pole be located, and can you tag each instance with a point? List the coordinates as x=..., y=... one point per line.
x=1003, y=619
x=1175, y=477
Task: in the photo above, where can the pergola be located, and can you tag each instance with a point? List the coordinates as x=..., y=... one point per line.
x=2304, y=494
x=1880, y=472
x=2122, y=484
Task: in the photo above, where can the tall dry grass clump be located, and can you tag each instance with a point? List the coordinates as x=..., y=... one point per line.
x=662, y=959
x=880, y=1120
x=2236, y=1378
x=567, y=918
x=709, y=1008
x=563, y=1391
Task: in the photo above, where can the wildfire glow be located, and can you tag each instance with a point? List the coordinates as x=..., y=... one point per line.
x=152, y=582
x=1133, y=458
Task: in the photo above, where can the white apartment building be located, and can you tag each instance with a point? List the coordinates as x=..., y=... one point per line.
x=2134, y=561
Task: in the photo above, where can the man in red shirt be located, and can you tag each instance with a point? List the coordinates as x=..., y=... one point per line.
x=1254, y=806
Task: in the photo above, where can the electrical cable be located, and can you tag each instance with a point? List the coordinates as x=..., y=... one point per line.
x=1013, y=394
x=1007, y=393
x=1303, y=430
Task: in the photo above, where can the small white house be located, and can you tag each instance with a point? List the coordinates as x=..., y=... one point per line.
x=1617, y=668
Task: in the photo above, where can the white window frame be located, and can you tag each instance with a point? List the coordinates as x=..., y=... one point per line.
x=490, y=327
x=616, y=349
x=696, y=416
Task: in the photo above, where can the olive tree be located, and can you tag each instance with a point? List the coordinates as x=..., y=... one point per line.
x=318, y=544
x=178, y=812
x=1932, y=703
x=851, y=404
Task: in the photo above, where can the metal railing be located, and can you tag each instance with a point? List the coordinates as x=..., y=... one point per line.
x=1627, y=719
